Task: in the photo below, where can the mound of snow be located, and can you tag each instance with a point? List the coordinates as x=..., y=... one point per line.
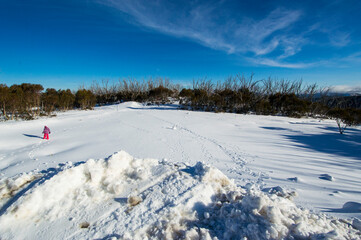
x=134, y=105
x=91, y=182
x=352, y=206
x=128, y=198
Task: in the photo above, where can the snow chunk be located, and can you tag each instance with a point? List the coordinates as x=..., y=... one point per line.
x=356, y=223
x=134, y=200
x=294, y=179
x=326, y=177
x=280, y=192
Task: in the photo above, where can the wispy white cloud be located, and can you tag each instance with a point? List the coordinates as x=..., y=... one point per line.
x=270, y=40
x=276, y=63
x=339, y=39
x=265, y=35
x=335, y=37
x=352, y=58
x=200, y=22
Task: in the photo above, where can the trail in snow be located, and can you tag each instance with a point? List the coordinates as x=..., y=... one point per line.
x=246, y=175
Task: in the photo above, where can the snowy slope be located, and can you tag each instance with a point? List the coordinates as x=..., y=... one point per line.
x=50, y=189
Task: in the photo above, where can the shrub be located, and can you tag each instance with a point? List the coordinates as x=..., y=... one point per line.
x=345, y=118
x=4, y=100
x=85, y=99
x=50, y=100
x=160, y=94
x=66, y=99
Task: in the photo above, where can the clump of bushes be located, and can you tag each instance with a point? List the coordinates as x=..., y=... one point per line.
x=85, y=99
x=245, y=95
x=28, y=101
x=20, y=101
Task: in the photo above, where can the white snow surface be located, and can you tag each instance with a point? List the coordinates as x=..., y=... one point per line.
x=180, y=175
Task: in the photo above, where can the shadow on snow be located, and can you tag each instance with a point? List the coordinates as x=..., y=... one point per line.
x=348, y=207
x=329, y=142
x=32, y=136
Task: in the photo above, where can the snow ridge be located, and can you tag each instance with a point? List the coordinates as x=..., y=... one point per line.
x=122, y=197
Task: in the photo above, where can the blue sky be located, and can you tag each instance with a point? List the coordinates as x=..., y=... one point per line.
x=66, y=44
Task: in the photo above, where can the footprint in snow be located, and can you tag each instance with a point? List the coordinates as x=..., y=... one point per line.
x=294, y=179
x=326, y=177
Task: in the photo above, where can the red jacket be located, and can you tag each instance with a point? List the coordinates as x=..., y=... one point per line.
x=46, y=130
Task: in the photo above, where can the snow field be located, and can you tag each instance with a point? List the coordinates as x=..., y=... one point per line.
x=151, y=199
x=274, y=162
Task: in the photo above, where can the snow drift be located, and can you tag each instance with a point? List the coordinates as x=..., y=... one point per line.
x=122, y=197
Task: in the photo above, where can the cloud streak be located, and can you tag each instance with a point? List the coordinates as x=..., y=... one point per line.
x=280, y=64
x=268, y=40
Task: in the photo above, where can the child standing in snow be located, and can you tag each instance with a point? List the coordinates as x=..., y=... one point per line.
x=46, y=132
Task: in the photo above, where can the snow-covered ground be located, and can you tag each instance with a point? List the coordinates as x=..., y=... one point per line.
x=180, y=174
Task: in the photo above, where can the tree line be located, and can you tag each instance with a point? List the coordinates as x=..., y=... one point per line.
x=236, y=94
x=28, y=101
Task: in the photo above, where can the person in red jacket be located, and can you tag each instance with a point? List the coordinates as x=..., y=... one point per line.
x=46, y=132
